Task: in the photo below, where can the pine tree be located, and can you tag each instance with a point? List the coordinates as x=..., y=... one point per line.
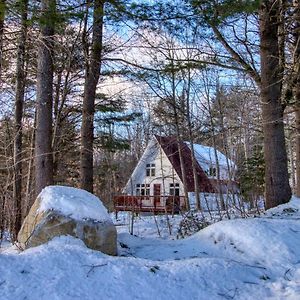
x=88, y=109
x=43, y=137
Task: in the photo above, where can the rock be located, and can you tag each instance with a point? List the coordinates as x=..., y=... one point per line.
x=68, y=211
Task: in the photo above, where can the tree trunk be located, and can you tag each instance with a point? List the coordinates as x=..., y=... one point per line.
x=91, y=81
x=2, y=16
x=56, y=124
x=277, y=190
x=191, y=140
x=296, y=87
x=183, y=173
x=298, y=142
x=195, y=175
x=43, y=138
x=20, y=91
x=29, y=175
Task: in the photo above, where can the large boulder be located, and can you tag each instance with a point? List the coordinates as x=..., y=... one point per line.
x=60, y=210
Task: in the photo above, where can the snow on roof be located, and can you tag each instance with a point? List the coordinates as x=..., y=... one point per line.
x=206, y=156
x=76, y=203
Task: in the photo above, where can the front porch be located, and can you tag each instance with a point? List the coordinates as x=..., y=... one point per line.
x=154, y=204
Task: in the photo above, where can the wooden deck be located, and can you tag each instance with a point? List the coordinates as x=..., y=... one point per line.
x=154, y=204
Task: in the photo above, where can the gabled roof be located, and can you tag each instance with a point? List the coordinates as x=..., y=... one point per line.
x=208, y=156
x=170, y=146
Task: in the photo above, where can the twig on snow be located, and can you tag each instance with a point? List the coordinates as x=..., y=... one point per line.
x=285, y=276
x=227, y=296
x=92, y=267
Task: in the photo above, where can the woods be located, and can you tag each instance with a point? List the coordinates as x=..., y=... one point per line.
x=85, y=84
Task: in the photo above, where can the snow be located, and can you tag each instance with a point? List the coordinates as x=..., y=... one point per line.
x=206, y=157
x=286, y=210
x=212, y=201
x=254, y=258
x=76, y=203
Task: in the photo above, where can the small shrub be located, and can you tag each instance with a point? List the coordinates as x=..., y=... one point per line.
x=190, y=224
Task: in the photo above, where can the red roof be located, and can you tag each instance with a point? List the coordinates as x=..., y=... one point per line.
x=170, y=146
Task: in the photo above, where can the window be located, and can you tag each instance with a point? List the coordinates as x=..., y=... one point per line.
x=212, y=171
x=174, y=189
x=150, y=170
x=143, y=189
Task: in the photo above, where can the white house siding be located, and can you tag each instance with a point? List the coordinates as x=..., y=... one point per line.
x=164, y=172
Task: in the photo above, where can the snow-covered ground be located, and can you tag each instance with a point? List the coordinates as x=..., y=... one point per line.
x=255, y=258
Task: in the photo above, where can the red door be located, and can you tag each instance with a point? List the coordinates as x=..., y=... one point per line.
x=156, y=193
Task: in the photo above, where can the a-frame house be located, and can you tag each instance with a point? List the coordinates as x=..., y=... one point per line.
x=157, y=184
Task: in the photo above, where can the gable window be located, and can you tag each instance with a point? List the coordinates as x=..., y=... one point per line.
x=212, y=171
x=150, y=170
x=143, y=189
x=174, y=189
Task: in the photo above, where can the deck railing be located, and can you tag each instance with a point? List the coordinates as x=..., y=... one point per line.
x=155, y=204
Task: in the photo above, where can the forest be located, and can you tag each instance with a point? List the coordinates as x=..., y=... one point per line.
x=85, y=84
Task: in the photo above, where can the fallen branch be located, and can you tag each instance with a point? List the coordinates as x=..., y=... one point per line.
x=92, y=267
x=285, y=276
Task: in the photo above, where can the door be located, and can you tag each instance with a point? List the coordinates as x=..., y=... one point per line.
x=156, y=193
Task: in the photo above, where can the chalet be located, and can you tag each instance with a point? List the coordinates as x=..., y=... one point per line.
x=157, y=182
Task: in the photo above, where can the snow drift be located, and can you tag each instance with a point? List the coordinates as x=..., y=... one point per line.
x=236, y=259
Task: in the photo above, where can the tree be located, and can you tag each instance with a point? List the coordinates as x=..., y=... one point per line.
x=43, y=137
x=20, y=91
x=277, y=188
x=6, y=174
x=2, y=16
x=91, y=79
x=295, y=82
x=252, y=175
x=215, y=15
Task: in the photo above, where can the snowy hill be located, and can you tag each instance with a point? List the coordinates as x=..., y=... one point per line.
x=237, y=259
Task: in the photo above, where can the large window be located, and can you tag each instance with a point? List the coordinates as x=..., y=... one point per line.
x=174, y=189
x=143, y=189
x=150, y=170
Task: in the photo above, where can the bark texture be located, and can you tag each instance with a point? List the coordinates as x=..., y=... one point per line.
x=20, y=92
x=277, y=189
x=298, y=142
x=195, y=175
x=43, y=138
x=2, y=16
x=91, y=81
x=296, y=87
